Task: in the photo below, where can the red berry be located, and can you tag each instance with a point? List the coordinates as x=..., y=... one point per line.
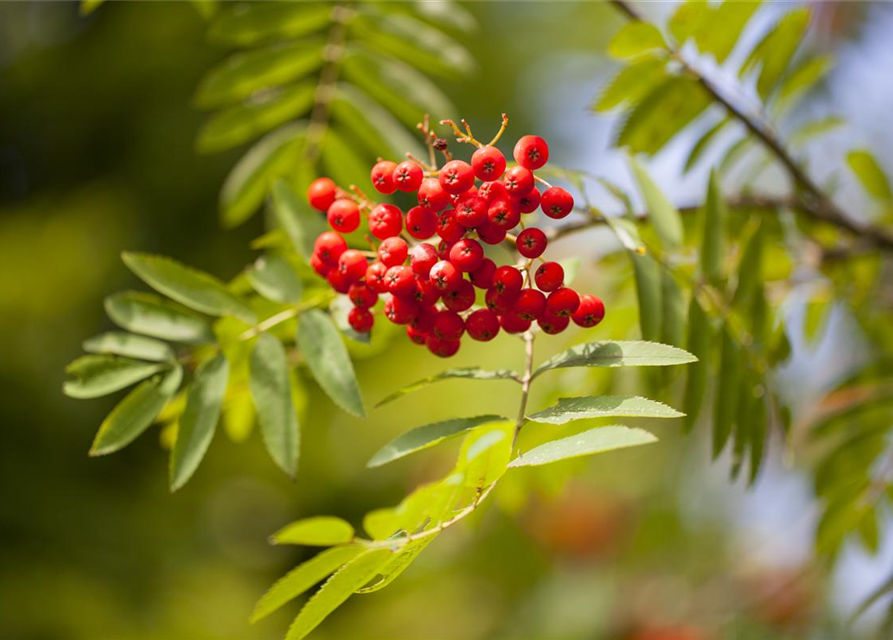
x=408, y=176
x=444, y=276
x=556, y=202
x=400, y=281
x=448, y=325
x=421, y=222
x=344, y=215
x=553, y=324
x=443, y=250
x=563, y=302
x=442, y=348
x=375, y=273
x=361, y=295
x=529, y=202
x=549, y=276
x=590, y=312
x=513, y=323
x=490, y=233
x=338, y=281
x=393, y=251
x=416, y=336
x=352, y=265
x=383, y=177
x=467, y=254
x=529, y=304
x=504, y=214
x=470, y=192
x=531, y=152
x=321, y=194
x=329, y=246
x=531, y=242
x=482, y=325
x=482, y=277
x=498, y=302
x=518, y=181
x=360, y=319
x=400, y=310
x=425, y=293
x=422, y=258
x=471, y=210
x=424, y=319
x=432, y=196
x=508, y=281
x=488, y=164
x=385, y=221
x=448, y=226
x=461, y=298
x=491, y=191
x=318, y=265
x=456, y=176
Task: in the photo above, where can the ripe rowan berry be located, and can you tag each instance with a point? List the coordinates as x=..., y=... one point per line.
x=529, y=304
x=400, y=281
x=563, y=302
x=531, y=152
x=408, y=176
x=445, y=276
x=498, y=302
x=400, y=310
x=549, y=276
x=448, y=325
x=556, y=202
x=504, y=214
x=461, y=298
x=471, y=210
x=432, y=196
x=488, y=164
x=553, y=324
x=321, y=194
x=443, y=250
x=414, y=335
x=442, y=348
x=531, y=242
x=361, y=295
x=470, y=192
x=393, y=251
x=511, y=322
x=344, y=215
x=338, y=281
x=491, y=191
x=456, y=176
x=424, y=319
x=375, y=273
x=508, y=281
x=352, y=265
x=518, y=181
x=382, y=176
x=490, y=233
x=482, y=277
x=482, y=325
x=422, y=258
x=421, y=222
x=361, y=320
x=529, y=202
x=466, y=254
x=425, y=293
x=329, y=246
x=318, y=265
x=448, y=226
x=590, y=312
x=385, y=221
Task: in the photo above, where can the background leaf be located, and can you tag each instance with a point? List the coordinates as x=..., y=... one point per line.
x=271, y=393
x=128, y=345
x=315, y=531
x=152, y=316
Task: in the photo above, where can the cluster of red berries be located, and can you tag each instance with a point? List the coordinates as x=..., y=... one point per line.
x=431, y=289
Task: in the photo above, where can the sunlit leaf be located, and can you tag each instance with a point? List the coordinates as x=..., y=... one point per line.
x=271, y=393
x=321, y=531
x=153, y=316
x=634, y=39
x=571, y=409
x=725, y=404
x=129, y=345
x=246, y=24
x=713, y=242
x=101, y=375
x=618, y=353
x=397, y=565
x=774, y=52
x=485, y=455
x=631, y=84
x=326, y=356
x=648, y=294
x=700, y=343
x=672, y=301
x=598, y=440
x=661, y=213
x=871, y=176
x=275, y=279
x=801, y=80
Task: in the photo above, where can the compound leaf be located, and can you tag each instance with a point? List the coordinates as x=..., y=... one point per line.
x=588, y=443
x=326, y=356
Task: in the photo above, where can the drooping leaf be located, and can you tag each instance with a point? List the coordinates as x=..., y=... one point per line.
x=243, y=25
x=648, y=294
x=703, y=143
x=271, y=393
x=774, y=52
x=427, y=436
x=588, y=443
x=571, y=409
x=713, y=242
x=135, y=412
x=661, y=213
x=631, y=84
x=750, y=269
x=153, y=316
x=726, y=401
x=700, y=343
x=129, y=345
x=466, y=373
x=326, y=356
x=320, y=531
x=302, y=577
x=672, y=328
x=97, y=376
x=871, y=176
x=635, y=39
x=618, y=353
x=294, y=215
x=199, y=419
x=275, y=279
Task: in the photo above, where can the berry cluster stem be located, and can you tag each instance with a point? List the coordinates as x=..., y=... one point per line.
x=526, y=379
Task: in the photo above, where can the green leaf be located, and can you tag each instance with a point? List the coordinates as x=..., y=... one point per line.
x=721, y=25
x=631, y=84
x=734, y=154
x=397, y=565
x=774, y=52
x=689, y=18
x=302, y=577
x=244, y=25
x=809, y=130
x=97, y=376
x=627, y=233
x=634, y=39
x=618, y=353
x=246, y=185
x=649, y=294
x=340, y=309
x=319, y=531
x=672, y=328
x=341, y=162
x=136, y=412
x=466, y=373
x=571, y=409
x=666, y=111
x=153, y=316
x=275, y=279
x=427, y=436
x=699, y=342
x=750, y=269
x=758, y=432
x=271, y=393
x=248, y=120
x=191, y=287
x=199, y=419
x=129, y=345
x=661, y=213
x=697, y=151
x=726, y=402
x=870, y=174
x=89, y=6
x=337, y=589
x=801, y=80
x=713, y=244
x=246, y=72
x=300, y=222
x=485, y=455
x=590, y=442
x=326, y=356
